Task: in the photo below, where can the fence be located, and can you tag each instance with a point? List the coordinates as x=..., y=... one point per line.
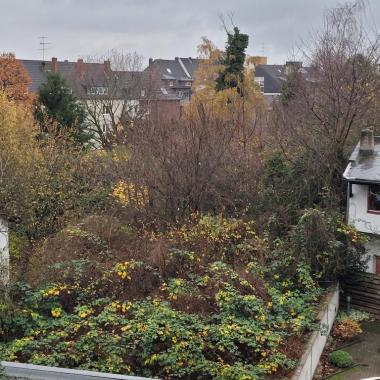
x=363, y=290
x=310, y=359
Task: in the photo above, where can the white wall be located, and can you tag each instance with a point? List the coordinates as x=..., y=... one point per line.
x=310, y=359
x=365, y=222
x=4, y=252
x=357, y=211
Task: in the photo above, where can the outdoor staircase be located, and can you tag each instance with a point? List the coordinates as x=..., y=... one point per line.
x=364, y=292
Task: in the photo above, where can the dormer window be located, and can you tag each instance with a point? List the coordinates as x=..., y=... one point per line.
x=188, y=84
x=164, y=90
x=97, y=90
x=260, y=82
x=374, y=199
x=171, y=83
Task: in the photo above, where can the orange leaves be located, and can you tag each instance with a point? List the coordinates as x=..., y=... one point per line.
x=14, y=79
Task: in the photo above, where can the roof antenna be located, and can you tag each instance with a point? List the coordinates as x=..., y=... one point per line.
x=43, y=43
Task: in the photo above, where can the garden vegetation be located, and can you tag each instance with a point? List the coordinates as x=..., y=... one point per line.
x=198, y=248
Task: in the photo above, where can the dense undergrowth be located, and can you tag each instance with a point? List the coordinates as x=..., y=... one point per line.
x=205, y=305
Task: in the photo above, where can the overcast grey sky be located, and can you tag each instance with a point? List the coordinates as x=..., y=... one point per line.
x=157, y=28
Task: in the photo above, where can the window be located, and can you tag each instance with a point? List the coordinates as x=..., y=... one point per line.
x=260, y=82
x=164, y=90
x=97, y=90
x=188, y=84
x=168, y=70
x=374, y=199
x=171, y=83
x=143, y=92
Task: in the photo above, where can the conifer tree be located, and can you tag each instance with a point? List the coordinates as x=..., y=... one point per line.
x=234, y=58
x=59, y=113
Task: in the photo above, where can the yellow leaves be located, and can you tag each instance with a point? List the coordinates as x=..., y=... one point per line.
x=120, y=307
x=130, y=194
x=126, y=328
x=84, y=312
x=123, y=269
x=56, y=312
x=54, y=291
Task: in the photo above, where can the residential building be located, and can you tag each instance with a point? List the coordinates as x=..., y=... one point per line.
x=363, y=194
x=164, y=86
x=107, y=94
x=175, y=76
x=271, y=78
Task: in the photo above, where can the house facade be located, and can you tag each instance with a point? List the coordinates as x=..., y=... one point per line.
x=363, y=194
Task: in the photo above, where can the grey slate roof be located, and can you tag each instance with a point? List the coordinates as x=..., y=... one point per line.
x=37, y=72
x=364, y=168
x=92, y=74
x=274, y=77
x=177, y=72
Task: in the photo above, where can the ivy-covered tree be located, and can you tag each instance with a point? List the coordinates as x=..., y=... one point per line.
x=58, y=113
x=234, y=58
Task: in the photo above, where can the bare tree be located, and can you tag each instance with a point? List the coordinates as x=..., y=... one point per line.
x=324, y=105
x=112, y=86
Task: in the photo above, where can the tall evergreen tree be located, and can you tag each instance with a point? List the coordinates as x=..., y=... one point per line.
x=234, y=58
x=59, y=113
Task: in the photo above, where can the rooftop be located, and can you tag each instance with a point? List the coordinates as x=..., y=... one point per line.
x=363, y=167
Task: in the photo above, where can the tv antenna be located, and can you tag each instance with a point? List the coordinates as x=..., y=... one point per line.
x=44, y=47
x=263, y=48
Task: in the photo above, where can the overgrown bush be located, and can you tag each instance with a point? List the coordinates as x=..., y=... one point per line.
x=205, y=306
x=341, y=359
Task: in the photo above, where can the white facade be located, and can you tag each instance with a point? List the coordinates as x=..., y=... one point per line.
x=4, y=252
x=364, y=221
x=358, y=215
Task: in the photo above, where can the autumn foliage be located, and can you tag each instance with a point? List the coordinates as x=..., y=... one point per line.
x=14, y=79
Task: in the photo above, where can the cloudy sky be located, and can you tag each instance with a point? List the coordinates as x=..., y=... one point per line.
x=158, y=28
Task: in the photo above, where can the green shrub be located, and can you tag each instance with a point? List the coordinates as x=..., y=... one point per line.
x=355, y=315
x=341, y=359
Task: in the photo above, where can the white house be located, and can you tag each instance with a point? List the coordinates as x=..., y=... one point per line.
x=363, y=195
x=4, y=252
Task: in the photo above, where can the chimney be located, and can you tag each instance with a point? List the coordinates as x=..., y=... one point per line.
x=367, y=142
x=107, y=66
x=176, y=58
x=292, y=66
x=80, y=66
x=259, y=60
x=54, y=65
x=150, y=61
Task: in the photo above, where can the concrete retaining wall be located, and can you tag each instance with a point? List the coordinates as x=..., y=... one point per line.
x=22, y=371
x=313, y=351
